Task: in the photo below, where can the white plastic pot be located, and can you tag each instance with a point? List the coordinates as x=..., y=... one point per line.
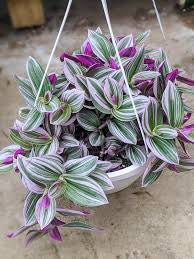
x=121, y=179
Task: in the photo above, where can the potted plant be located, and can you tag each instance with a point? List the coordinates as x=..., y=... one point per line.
x=82, y=132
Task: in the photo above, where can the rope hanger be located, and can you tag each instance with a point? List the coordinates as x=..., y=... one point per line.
x=105, y=8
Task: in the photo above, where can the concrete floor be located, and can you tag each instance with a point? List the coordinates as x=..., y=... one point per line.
x=156, y=223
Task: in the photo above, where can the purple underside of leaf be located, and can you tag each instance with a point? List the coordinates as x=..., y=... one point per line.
x=19, y=231
x=187, y=117
x=184, y=134
x=173, y=168
x=141, y=85
x=128, y=52
x=173, y=75
x=45, y=201
x=68, y=56
x=185, y=80
x=113, y=63
x=8, y=160
x=88, y=50
x=52, y=78
x=87, y=61
x=55, y=234
x=19, y=152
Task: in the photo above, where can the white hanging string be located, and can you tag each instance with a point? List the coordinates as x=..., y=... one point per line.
x=158, y=18
x=54, y=48
x=104, y=4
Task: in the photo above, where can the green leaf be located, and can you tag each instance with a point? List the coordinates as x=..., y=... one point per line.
x=145, y=75
x=35, y=74
x=23, y=113
x=33, y=120
x=62, y=115
x=71, y=69
x=97, y=95
x=88, y=120
x=173, y=105
x=17, y=139
x=96, y=139
x=135, y=64
x=122, y=131
x=75, y=99
x=69, y=140
x=165, y=149
x=26, y=90
x=51, y=106
x=113, y=92
x=5, y=154
x=152, y=116
x=102, y=179
x=136, y=154
x=36, y=137
x=126, y=111
x=101, y=46
x=81, y=166
x=79, y=225
x=141, y=37
x=29, y=208
x=81, y=84
x=125, y=42
x=165, y=131
x=84, y=191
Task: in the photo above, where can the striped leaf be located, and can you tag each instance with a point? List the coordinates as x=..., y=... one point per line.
x=103, y=166
x=101, y=73
x=48, y=149
x=165, y=149
x=102, y=179
x=88, y=120
x=173, y=105
x=113, y=92
x=75, y=99
x=126, y=111
x=152, y=116
x=96, y=139
x=45, y=214
x=135, y=64
x=71, y=69
x=165, y=132
x=69, y=140
x=29, y=208
x=122, y=131
x=80, y=225
x=23, y=113
x=125, y=42
x=44, y=170
x=36, y=137
x=84, y=191
x=136, y=154
x=61, y=116
x=81, y=84
x=35, y=74
x=26, y=90
x=6, y=158
x=145, y=75
x=81, y=166
x=101, y=46
x=17, y=139
x=141, y=37
x=97, y=95
x=51, y=106
x=33, y=120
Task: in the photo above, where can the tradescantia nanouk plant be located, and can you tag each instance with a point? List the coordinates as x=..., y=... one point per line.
x=83, y=126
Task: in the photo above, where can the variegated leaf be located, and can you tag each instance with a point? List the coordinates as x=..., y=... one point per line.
x=71, y=69
x=152, y=116
x=96, y=139
x=29, y=208
x=17, y=139
x=44, y=170
x=36, y=137
x=165, y=149
x=80, y=225
x=145, y=75
x=51, y=106
x=48, y=149
x=61, y=116
x=102, y=179
x=26, y=90
x=113, y=92
x=6, y=158
x=141, y=37
x=135, y=64
x=165, y=131
x=23, y=113
x=75, y=99
x=81, y=84
x=101, y=73
x=97, y=95
x=68, y=140
x=103, y=166
x=35, y=74
x=122, y=131
x=101, y=46
x=136, y=154
x=84, y=191
x=45, y=214
x=173, y=105
x=88, y=120
x=81, y=166
x=126, y=111
x=125, y=42
x=33, y=120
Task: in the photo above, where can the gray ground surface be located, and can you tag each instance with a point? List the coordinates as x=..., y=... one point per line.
x=154, y=224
